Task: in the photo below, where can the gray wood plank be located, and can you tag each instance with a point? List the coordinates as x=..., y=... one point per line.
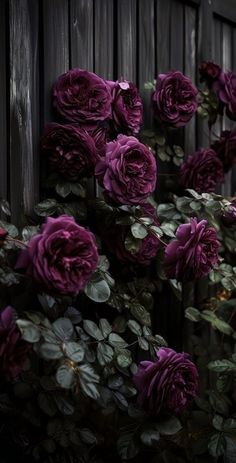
x=81, y=34
x=56, y=47
x=190, y=70
x=227, y=65
x=226, y=9
x=146, y=53
x=3, y=105
x=104, y=38
x=177, y=36
x=127, y=39
x=24, y=159
x=163, y=35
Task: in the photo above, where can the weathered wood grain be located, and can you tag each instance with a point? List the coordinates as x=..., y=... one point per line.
x=82, y=34
x=163, y=35
x=24, y=107
x=127, y=40
x=190, y=43
x=104, y=39
x=3, y=99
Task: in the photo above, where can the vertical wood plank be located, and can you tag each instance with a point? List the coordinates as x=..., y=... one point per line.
x=227, y=65
x=56, y=47
x=81, y=34
x=146, y=53
x=233, y=179
x=190, y=70
x=104, y=38
x=127, y=40
x=24, y=107
x=217, y=58
x=177, y=36
x=163, y=35
x=3, y=105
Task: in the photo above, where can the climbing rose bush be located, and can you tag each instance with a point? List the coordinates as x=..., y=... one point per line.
x=193, y=253
x=127, y=172
x=168, y=384
x=62, y=257
x=174, y=99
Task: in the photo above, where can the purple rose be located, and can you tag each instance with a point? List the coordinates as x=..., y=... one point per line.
x=175, y=99
x=209, y=72
x=225, y=149
x=115, y=236
x=3, y=235
x=167, y=385
x=71, y=151
x=193, y=253
x=229, y=215
x=82, y=96
x=13, y=349
x=62, y=257
x=127, y=107
x=225, y=88
x=202, y=171
x=127, y=172
x=99, y=134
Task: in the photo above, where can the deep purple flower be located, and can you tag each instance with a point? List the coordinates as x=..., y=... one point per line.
x=71, y=151
x=225, y=149
x=225, y=88
x=193, y=253
x=175, y=99
x=13, y=349
x=202, y=171
x=115, y=237
x=100, y=136
x=3, y=235
x=167, y=385
x=127, y=107
x=128, y=171
x=62, y=257
x=209, y=72
x=82, y=96
x=229, y=215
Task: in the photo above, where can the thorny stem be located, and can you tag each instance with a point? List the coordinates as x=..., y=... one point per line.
x=9, y=238
x=150, y=230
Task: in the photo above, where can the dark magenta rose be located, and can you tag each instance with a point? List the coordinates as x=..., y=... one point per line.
x=3, y=234
x=127, y=172
x=71, y=151
x=100, y=136
x=13, y=349
x=62, y=257
x=202, y=171
x=229, y=215
x=167, y=385
x=225, y=148
x=174, y=99
x=225, y=88
x=127, y=107
x=81, y=96
x=193, y=253
x=209, y=72
x=115, y=237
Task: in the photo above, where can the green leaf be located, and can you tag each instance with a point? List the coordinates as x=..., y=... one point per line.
x=74, y=351
x=150, y=437
x=29, y=331
x=132, y=244
x=63, y=189
x=223, y=327
x=117, y=341
x=47, y=404
x=217, y=445
x=63, y=329
x=192, y=314
x=218, y=422
x=143, y=344
x=46, y=207
x=141, y=314
x=29, y=231
x=124, y=358
x=63, y=405
x=195, y=206
x=105, y=353
x=208, y=315
x=87, y=436
x=126, y=446
x=139, y=231
x=98, y=290
x=168, y=229
x=221, y=366
x=88, y=374
x=90, y=389
x=135, y=327
x=92, y=329
x=50, y=351
x=10, y=228
x=5, y=207
x=166, y=211
x=105, y=327
x=169, y=426
x=78, y=190
x=65, y=376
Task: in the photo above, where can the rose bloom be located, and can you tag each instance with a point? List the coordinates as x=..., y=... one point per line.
x=13, y=349
x=225, y=149
x=209, y=72
x=115, y=237
x=127, y=172
x=127, y=107
x=202, y=171
x=81, y=96
x=175, y=99
x=3, y=235
x=229, y=215
x=167, y=385
x=62, y=257
x=71, y=151
x=100, y=136
x=193, y=253
x=225, y=88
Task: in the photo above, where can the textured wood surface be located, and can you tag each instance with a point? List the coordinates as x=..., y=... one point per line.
x=3, y=99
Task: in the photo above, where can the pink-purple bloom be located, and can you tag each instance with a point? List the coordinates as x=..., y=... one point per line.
x=174, y=99
x=13, y=349
x=71, y=151
x=193, y=253
x=167, y=385
x=62, y=257
x=127, y=107
x=202, y=171
x=229, y=215
x=82, y=96
x=127, y=172
x=225, y=148
x=209, y=72
x=225, y=88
